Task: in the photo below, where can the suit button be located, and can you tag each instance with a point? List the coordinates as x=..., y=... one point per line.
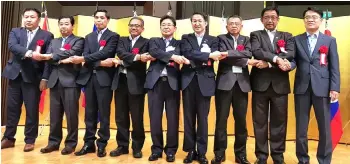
x=311, y=62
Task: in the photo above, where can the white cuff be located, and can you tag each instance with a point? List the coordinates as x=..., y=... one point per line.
x=274, y=59
x=45, y=79
x=27, y=55
x=135, y=58
x=269, y=64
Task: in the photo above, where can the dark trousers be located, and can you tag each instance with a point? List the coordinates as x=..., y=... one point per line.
x=321, y=106
x=98, y=108
x=125, y=104
x=196, y=107
x=18, y=92
x=266, y=104
x=223, y=101
x=64, y=100
x=160, y=94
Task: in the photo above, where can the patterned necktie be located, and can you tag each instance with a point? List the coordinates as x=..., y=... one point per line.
x=166, y=42
x=63, y=41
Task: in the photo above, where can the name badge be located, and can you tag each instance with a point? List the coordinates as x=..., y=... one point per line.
x=170, y=48
x=236, y=69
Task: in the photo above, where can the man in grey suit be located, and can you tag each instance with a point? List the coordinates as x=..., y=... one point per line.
x=316, y=83
x=232, y=87
x=64, y=91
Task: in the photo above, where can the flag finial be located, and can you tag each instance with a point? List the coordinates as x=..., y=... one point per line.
x=169, y=10
x=134, y=11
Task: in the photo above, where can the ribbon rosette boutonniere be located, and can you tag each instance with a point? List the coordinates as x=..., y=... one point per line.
x=67, y=46
x=171, y=63
x=281, y=44
x=135, y=51
x=324, y=52
x=39, y=44
x=102, y=44
x=240, y=47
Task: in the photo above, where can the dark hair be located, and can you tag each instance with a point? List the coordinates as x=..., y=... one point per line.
x=33, y=9
x=168, y=17
x=138, y=18
x=69, y=17
x=314, y=9
x=270, y=8
x=234, y=16
x=103, y=11
x=202, y=14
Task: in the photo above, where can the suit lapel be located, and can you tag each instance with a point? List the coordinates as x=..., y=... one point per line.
x=276, y=38
x=139, y=43
x=303, y=40
x=193, y=40
x=162, y=43
x=240, y=40
x=93, y=43
x=104, y=35
x=70, y=38
x=35, y=39
x=24, y=38
x=230, y=41
x=267, y=39
x=204, y=40
x=318, y=45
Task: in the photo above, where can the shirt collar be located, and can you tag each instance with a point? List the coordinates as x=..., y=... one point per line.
x=234, y=38
x=34, y=31
x=171, y=38
x=67, y=37
x=200, y=35
x=136, y=38
x=273, y=31
x=102, y=31
x=317, y=33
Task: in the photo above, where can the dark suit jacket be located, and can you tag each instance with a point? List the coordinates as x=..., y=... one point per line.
x=93, y=56
x=32, y=71
x=136, y=70
x=205, y=73
x=66, y=73
x=323, y=78
x=226, y=78
x=157, y=49
x=262, y=49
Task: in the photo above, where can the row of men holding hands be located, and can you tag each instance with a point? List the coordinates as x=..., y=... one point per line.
x=56, y=64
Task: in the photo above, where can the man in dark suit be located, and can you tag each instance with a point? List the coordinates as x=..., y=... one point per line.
x=270, y=86
x=163, y=84
x=233, y=86
x=64, y=92
x=317, y=82
x=96, y=76
x=128, y=83
x=27, y=76
x=198, y=84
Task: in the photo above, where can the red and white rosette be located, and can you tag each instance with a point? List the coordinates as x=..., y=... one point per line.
x=39, y=44
x=102, y=44
x=323, y=57
x=281, y=44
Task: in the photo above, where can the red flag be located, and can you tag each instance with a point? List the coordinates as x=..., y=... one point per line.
x=43, y=93
x=336, y=124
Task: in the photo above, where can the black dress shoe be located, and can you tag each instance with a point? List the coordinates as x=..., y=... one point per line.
x=49, y=148
x=119, y=151
x=67, y=150
x=86, y=149
x=260, y=161
x=242, y=160
x=192, y=155
x=218, y=159
x=154, y=157
x=137, y=154
x=202, y=159
x=170, y=158
x=101, y=152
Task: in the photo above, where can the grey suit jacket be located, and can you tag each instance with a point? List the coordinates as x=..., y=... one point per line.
x=226, y=78
x=66, y=73
x=323, y=78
